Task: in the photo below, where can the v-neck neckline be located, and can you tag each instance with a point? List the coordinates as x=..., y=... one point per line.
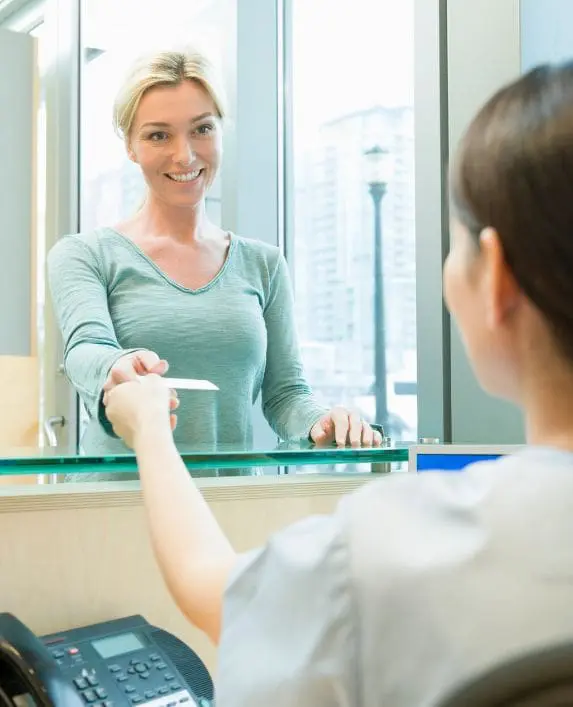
x=142, y=254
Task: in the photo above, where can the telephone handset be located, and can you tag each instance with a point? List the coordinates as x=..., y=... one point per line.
x=29, y=676
x=120, y=663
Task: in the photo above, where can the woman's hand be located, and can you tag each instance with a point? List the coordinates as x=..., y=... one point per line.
x=139, y=405
x=132, y=365
x=345, y=428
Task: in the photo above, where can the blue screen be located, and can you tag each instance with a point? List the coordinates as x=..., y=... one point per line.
x=450, y=462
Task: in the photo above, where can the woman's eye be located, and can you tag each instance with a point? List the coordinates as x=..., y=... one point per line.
x=158, y=136
x=205, y=129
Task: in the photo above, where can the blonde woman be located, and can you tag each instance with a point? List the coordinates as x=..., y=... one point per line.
x=169, y=289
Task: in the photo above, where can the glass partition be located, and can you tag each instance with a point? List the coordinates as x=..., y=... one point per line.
x=298, y=457
x=222, y=461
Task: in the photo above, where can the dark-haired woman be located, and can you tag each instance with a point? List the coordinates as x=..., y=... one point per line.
x=416, y=583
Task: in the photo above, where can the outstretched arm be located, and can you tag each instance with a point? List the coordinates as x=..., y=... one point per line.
x=194, y=555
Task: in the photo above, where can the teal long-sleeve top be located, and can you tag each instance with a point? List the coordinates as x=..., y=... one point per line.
x=238, y=332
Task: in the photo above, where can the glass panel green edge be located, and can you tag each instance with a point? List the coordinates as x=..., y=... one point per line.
x=289, y=455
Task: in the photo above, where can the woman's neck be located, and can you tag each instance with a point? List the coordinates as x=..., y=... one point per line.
x=184, y=224
x=548, y=405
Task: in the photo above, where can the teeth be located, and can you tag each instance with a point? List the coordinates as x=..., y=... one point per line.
x=190, y=176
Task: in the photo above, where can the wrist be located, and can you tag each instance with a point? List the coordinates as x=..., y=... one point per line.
x=153, y=426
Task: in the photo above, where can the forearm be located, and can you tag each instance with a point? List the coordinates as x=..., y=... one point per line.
x=194, y=555
x=87, y=366
x=293, y=412
x=288, y=403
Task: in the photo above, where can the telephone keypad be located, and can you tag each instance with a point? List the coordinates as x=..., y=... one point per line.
x=127, y=676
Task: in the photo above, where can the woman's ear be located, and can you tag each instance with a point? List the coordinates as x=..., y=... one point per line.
x=130, y=152
x=501, y=291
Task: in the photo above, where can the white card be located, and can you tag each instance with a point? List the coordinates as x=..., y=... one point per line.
x=190, y=384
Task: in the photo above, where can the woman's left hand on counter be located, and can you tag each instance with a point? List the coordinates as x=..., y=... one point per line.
x=344, y=427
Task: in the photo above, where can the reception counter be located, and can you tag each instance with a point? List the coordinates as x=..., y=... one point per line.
x=74, y=553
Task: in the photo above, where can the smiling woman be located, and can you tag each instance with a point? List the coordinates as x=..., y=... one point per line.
x=167, y=288
x=183, y=150
x=173, y=132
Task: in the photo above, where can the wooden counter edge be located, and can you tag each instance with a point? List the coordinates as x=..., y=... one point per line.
x=128, y=493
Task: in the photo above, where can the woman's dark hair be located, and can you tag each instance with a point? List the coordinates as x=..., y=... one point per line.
x=514, y=172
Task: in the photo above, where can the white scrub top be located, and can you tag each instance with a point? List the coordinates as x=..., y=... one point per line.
x=415, y=584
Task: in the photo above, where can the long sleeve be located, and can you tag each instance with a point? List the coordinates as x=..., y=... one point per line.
x=288, y=403
x=79, y=297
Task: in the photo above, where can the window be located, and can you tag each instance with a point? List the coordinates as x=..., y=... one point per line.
x=114, y=34
x=352, y=90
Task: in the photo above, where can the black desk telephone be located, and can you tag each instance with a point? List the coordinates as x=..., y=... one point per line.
x=116, y=663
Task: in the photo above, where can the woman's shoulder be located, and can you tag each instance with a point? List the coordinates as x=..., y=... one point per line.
x=88, y=243
x=257, y=254
x=257, y=247
x=97, y=249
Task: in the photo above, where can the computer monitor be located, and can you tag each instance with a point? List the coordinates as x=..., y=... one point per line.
x=454, y=457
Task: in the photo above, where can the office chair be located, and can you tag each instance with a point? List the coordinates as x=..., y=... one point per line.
x=540, y=678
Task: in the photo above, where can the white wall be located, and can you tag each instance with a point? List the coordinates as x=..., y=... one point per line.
x=17, y=125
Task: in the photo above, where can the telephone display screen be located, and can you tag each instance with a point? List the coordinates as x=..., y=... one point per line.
x=118, y=645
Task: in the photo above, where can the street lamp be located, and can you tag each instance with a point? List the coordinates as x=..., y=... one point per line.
x=378, y=175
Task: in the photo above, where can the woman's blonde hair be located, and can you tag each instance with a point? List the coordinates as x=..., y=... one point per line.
x=164, y=68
